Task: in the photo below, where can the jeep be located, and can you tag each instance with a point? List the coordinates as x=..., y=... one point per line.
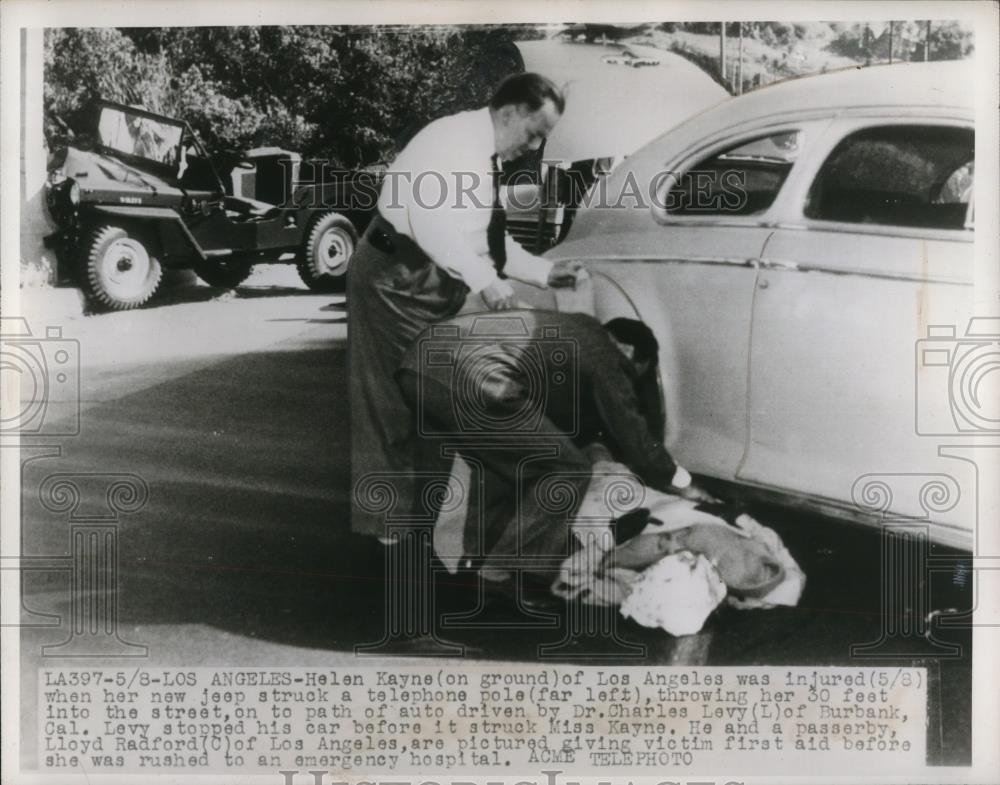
x=139, y=193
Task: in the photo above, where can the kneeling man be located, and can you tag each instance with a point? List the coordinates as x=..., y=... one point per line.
x=517, y=395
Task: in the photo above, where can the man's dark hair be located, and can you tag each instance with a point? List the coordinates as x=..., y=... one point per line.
x=647, y=387
x=636, y=334
x=530, y=89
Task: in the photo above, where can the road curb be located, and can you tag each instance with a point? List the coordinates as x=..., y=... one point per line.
x=45, y=304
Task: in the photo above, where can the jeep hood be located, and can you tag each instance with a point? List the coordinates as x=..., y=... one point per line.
x=94, y=170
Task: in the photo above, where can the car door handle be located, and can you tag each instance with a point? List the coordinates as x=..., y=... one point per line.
x=776, y=264
x=763, y=284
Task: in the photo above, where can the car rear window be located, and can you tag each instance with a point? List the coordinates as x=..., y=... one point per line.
x=916, y=176
x=742, y=180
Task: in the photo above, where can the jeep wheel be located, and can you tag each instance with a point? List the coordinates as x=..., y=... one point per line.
x=325, y=255
x=227, y=274
x=119, y=272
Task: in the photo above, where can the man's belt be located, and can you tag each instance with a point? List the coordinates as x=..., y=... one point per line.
x=382, y=235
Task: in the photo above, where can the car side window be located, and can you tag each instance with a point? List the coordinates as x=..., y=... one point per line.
x=742, y=180
x=904, y=175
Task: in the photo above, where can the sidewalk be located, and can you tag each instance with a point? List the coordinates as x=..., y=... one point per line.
x=120, y=353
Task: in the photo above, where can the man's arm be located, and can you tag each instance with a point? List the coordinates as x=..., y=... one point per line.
x=626, y=428
x=436, y=196
x=458, y=244
x=525, y=266
x=447, y=212
x=455, y=251
x=448, y=235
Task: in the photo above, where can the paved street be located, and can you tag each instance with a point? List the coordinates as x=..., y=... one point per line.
x=232, y=411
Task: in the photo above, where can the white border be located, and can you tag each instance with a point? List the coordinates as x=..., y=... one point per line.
x=16, y=14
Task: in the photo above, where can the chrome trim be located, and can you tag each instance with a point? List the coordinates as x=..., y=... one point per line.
x=729, y=261
x=749, y=221
x=770, y=264
x=825, y=505
x=766, y=264
x=963, y=235
x=785, y=266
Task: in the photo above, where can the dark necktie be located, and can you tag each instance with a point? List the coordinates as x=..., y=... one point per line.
x=496, y=232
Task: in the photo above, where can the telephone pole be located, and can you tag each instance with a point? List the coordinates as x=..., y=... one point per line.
x=739, y=68
x=722, y=52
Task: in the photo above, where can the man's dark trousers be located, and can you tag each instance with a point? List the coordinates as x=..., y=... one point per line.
x=525, y=489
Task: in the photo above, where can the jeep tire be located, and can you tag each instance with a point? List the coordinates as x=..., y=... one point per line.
x=326, y=253
x=227, y=274
x=119, y=272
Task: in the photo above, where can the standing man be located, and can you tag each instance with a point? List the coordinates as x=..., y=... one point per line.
x=438, y=235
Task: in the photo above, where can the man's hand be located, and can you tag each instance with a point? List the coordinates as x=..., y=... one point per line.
x=693, y=493
x=563, y=273
x=499, y=296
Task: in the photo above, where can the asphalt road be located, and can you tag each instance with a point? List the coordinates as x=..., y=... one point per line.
x=232, y=411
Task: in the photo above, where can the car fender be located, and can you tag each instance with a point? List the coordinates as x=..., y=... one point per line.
x=171, y=232
x=609, y=293
x=618, y=295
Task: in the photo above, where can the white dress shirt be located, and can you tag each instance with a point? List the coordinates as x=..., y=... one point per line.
x=439, y=192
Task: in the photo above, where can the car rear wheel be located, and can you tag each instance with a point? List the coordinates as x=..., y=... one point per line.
x=227, y=274
x=119, y=272
x=327, y=252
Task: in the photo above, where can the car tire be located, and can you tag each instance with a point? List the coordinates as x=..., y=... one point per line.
x=225, y=274
x=119, y=272
x=326, y=253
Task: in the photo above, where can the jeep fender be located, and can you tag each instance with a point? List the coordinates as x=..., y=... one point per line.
x=160, y=226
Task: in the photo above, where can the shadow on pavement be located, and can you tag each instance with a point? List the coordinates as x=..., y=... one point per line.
x=333, y=320
x=201, y=293
x=246, y=530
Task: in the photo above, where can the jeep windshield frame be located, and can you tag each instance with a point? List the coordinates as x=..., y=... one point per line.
x=189, y=137
x=140, y=137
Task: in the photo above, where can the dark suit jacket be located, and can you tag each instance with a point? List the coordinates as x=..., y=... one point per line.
x=563, y=365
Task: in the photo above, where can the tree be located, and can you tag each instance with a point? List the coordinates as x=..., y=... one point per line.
x=347, y=94
x=949, y=41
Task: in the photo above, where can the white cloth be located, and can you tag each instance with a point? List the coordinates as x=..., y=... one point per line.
x=674, y=512
x=790, y=589
x=676, y=594
x=439, y=192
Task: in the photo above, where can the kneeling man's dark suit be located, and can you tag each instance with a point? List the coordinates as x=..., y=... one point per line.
x=517, y=394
